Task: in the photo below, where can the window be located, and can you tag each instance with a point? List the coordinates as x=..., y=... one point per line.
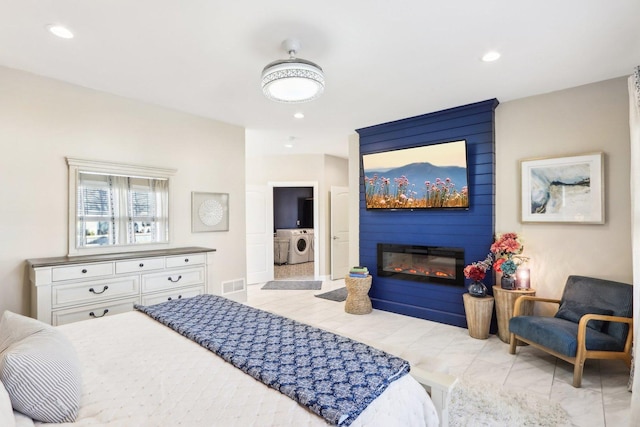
x=113, y=205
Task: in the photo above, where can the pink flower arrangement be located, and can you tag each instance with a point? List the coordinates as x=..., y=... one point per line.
x=506, y=250
x=507, y=243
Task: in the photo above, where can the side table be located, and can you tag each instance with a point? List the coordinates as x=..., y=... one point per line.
x=478, y=311
x=358, y=301
x=505, y=301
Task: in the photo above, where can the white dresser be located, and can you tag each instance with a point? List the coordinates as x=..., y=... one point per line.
x=69, y=289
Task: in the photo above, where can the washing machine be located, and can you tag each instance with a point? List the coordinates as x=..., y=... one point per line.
x=312, y=243
x=299, y=246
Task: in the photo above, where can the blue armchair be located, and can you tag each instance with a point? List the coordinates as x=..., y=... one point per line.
x=594, y=321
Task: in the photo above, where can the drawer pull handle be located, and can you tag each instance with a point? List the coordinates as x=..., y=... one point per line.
x=141, y=265
x=179, y=297
x=98, y=293
x=104, y=313
x=84, y=270
x=186, y=260
x=174, y=281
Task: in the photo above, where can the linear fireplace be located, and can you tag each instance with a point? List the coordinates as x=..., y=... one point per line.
x=432, y=264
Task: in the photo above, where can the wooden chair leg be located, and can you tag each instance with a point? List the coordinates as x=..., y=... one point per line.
x=577, y=373
x=512, y=343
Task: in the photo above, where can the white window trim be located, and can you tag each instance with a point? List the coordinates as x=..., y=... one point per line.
x=111, y=168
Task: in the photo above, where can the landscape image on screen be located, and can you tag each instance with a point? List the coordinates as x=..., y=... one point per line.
x=431, y=176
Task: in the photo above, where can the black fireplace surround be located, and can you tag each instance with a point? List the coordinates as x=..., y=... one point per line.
x=432, y=264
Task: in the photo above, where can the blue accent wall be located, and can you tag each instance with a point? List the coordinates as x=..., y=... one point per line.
x=471, y=229
x=288, y=211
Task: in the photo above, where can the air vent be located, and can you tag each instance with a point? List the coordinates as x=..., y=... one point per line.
x=231, y=286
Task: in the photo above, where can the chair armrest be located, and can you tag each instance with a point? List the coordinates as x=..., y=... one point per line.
x=607, y=318
x=582, y=327
x=521, y=299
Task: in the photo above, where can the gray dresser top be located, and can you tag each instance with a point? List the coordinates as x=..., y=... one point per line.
x=62, y=260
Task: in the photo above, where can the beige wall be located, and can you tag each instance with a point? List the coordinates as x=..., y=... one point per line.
x=42, y=121
x=584, y=119
x=321, y=169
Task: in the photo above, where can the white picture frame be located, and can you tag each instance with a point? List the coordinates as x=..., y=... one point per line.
x=209, y=212
x=563, y=189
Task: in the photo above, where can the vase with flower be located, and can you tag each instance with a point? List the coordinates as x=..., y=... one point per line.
x=476, y=272
x=507, y=249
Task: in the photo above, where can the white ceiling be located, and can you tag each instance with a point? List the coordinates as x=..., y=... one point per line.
x=384, y=60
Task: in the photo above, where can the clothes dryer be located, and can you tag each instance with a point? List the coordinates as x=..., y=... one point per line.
x=312, y=243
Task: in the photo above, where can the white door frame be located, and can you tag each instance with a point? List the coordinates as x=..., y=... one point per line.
x=317, y=229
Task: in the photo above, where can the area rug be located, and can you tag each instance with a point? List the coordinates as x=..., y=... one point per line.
x=473, y=403
x=338, y=295
x=297, y=285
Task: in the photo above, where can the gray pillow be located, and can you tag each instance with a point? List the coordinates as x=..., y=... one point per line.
x=42, y=375
x=573, y=311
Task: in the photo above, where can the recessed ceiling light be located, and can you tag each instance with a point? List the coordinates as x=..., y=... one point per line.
x=491, y=56
x=288, y=145
x=60, y=31
x=299, y=115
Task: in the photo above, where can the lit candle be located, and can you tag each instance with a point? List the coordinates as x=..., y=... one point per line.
x=523, y=278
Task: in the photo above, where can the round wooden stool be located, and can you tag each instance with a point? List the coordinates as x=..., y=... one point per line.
x=358, y=301
x=478, y=311
x=505, y=301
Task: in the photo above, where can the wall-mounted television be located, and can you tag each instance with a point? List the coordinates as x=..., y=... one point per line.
x=426, y=177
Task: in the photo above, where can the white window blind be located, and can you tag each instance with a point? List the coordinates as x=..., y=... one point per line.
x=116, y=210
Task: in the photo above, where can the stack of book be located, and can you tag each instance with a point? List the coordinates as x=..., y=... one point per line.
x=358, y=271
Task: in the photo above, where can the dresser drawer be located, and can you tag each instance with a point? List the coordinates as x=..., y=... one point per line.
x=81, y=271
x=137, y=265
x=172, y=279
x=185, y=260
x=92, y=311
x=151, y=299
x=93, y=291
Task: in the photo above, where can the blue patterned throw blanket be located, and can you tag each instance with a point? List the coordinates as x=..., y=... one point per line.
x=335, y=377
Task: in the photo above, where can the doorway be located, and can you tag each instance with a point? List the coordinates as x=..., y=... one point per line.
x=294, y=233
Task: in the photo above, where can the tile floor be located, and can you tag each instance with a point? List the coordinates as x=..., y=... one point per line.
x=602, y=401
x=303, y=270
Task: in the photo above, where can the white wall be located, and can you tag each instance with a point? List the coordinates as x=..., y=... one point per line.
x=42, y=121
x=323, y=169
x=579, y=120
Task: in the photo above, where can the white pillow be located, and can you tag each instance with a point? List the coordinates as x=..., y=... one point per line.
x=14, y=327
x=6, y=412
x=41, y=372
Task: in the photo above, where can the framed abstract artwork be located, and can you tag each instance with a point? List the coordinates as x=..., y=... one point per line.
x=209, y=212
x=563, y=189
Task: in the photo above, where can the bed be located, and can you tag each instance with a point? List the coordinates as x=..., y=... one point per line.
x=136, y=371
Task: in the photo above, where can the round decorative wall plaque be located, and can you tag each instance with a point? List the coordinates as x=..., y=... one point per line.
x=209, y=212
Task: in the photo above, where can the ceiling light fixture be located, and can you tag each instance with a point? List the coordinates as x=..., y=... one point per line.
x=491, y=56
x=299, y=115
x=292, y=80
x=60, y=31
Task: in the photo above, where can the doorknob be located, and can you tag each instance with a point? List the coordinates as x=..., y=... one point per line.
x=335, y=237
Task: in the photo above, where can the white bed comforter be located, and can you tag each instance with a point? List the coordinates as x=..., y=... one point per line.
x=137, y=372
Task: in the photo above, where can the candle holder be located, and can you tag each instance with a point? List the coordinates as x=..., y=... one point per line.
x=523, y=278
